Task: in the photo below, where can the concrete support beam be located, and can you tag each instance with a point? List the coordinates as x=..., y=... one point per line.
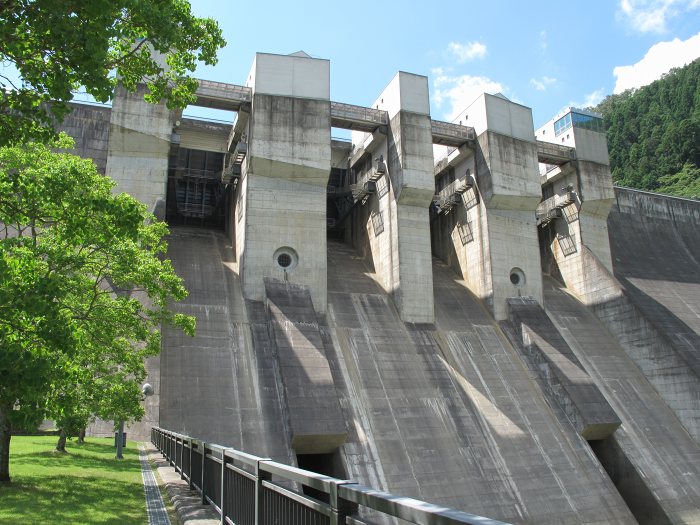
x=400, y=246
x=281, y=203
x=139, y=143
x=584, y=221
x=491, y=238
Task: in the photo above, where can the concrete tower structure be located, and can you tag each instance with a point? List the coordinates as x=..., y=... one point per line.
x=494, y=237
x=579, y=191
x=397, y=229
x=281, y=204
x=139, y=144
x=489, y=327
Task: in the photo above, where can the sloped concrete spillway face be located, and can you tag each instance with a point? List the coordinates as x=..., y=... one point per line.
x=448, y=413
x=222, y=385
x=317, y=425
x=651, y=458
x=655, y=244
x=565, y=380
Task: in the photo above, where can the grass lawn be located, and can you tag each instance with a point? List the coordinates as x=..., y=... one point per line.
x=85, y=486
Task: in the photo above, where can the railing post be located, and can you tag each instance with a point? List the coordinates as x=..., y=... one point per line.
x=222, y=505
x=340, y=508
x=204, y=462
x=182, y=458
x=260, y=476
x=190, y=474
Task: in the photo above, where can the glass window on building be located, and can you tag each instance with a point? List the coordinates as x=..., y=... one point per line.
x=588, y=122
x=561, y=125
x=578, y=120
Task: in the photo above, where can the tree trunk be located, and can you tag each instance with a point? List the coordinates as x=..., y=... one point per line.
x=61, y=445
x=5, y=435
x=81, y=436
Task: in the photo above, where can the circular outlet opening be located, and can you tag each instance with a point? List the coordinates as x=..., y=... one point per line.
x=517, y=277
x=286, y=258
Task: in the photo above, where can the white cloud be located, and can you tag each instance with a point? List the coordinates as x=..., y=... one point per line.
x=651, y=16
x=543, y=83
x=594, y=98
x=660, y=58
x=543, y=40
x=468, y=51
x=591, y=99
x=460, y=91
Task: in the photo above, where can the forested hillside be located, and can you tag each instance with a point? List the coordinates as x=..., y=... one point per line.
x=654, y=134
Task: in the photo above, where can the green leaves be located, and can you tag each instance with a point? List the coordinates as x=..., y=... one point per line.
x=84, y=287
x=654, y=133
x=685, y=183
x=59, y=47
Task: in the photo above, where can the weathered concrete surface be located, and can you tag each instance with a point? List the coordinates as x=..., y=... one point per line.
x=655, y=244
x=410, y=166
x=655, y=462
x=316, y=422
x=449, y=413
x=394, y=224
x=89, y=127
x=223, y=385
x=564, y=378
x=489, y=238
x=139, y=143
x=283, y=193
x=656, y=248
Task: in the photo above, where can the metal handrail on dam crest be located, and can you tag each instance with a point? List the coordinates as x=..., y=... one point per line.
x=248, y=490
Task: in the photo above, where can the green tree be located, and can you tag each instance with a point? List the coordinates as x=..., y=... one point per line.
x=685, y=183
x=654, y=132
x=58, y=47
x=84, y=289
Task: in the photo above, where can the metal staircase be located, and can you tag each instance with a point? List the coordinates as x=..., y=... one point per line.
x=350, y=197
x=233, y=163
x=552, y=208
x=451, y=195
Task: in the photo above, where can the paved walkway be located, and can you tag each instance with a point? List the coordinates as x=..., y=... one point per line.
x=187, y=503
x=155, y=508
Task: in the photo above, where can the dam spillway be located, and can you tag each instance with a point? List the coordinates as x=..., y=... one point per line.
x=459, y=313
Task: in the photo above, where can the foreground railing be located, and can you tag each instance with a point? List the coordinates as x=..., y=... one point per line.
x=248, y=490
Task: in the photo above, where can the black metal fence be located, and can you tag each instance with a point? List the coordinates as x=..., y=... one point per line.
x=249, y=490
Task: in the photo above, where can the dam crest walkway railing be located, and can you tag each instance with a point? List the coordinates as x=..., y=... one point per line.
x=249, y=490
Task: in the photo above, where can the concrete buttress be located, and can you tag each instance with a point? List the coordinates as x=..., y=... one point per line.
x=282, y=194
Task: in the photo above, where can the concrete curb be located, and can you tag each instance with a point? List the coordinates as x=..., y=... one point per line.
x=187, y=503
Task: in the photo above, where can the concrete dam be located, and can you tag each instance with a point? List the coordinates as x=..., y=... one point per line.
x=466, y=313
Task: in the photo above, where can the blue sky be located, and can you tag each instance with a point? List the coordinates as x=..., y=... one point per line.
x=544, y=54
